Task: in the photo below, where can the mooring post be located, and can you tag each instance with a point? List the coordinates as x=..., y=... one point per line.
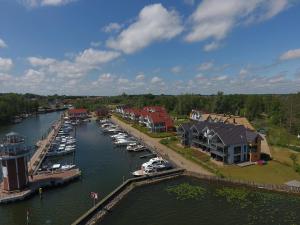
x=41, y=192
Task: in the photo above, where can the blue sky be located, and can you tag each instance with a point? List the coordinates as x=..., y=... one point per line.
x=92, y=47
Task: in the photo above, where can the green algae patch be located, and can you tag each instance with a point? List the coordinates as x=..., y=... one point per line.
x=187, y=191
x=238, y=196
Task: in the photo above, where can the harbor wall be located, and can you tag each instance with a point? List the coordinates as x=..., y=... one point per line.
x=251, y=184
x=97, y=213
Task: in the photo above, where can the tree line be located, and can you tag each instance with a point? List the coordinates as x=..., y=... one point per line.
x=283, y=110
x=12, y=105
x=280, y=109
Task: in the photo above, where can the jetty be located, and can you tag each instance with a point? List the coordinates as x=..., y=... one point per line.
x=43, y=147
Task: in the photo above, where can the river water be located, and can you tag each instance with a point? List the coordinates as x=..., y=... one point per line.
x=103, y=168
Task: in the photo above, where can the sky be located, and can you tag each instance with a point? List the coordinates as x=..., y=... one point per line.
x=110, y=47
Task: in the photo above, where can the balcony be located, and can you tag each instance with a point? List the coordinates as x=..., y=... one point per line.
x=216, y=152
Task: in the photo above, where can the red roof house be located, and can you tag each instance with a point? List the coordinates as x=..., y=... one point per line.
x=77, y=113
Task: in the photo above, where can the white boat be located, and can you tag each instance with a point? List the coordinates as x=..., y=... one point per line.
x=123, y=142
x=147, y=171
x=119, y=135
x=60, y=152
x=55, y=166
x=137, y=148
x=131, y=146
x=68, y=167
x=157, y=163
x=69, y=142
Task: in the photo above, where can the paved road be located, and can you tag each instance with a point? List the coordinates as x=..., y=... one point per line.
x=162, y=149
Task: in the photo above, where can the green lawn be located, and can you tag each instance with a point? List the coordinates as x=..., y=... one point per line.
x=278, y=171
x=153, y=135
x=272, y=173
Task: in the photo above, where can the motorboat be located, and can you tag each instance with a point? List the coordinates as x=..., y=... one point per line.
x=147, y=171
x=154, y=165
x=137, y=148
x=68, y=167
x=60, y=152
x=123, y=142
x=131, y=146
x=55, y=166
x=157, y=163
x=119, y=135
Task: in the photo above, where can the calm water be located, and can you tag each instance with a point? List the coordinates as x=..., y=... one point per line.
x=102, y=165
x=153, y=205
x=103, y=168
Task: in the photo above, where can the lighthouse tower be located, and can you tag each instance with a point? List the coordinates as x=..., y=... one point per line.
x=13, y=160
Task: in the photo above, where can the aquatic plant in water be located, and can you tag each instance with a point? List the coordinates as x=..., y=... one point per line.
x=265, y=202
x=234, y=195
x=186, y=191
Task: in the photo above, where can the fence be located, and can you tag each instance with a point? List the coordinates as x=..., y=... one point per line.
x=270, y=187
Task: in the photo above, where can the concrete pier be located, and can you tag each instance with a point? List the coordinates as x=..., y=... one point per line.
x=43, y=147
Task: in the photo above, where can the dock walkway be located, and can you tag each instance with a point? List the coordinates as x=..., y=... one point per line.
x=39, y=155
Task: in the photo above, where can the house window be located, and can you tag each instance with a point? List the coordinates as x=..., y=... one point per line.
x=237, y=150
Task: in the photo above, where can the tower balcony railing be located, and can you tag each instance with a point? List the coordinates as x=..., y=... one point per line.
x=14, y=152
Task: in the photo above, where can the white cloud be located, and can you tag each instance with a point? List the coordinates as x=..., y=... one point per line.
x=243, y=72
x=211, y=46
x=33, y=76
x=112, y=27
x=156, y=80
x=220, y=78
x=277, y=79
x=95, y=43
x=2, y=44
x=216, y=18
x=5, y=78
x=5, y=64
x=154, y=23
x=104, y=79
x=140, y=77
x=95, y=57
x=206, y=66
x=123, y=81
x=36, y=61
x=291, y=54
x=176, y=69
x=81, y=64
x=39, y=3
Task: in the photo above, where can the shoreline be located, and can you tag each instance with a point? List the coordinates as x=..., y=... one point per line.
x=163, y=150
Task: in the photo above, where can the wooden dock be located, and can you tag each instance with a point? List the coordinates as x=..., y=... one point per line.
x=43, y=147
x=42, y=180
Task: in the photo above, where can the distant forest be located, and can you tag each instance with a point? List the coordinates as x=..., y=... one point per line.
x=14, y=104
x=281, y=110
